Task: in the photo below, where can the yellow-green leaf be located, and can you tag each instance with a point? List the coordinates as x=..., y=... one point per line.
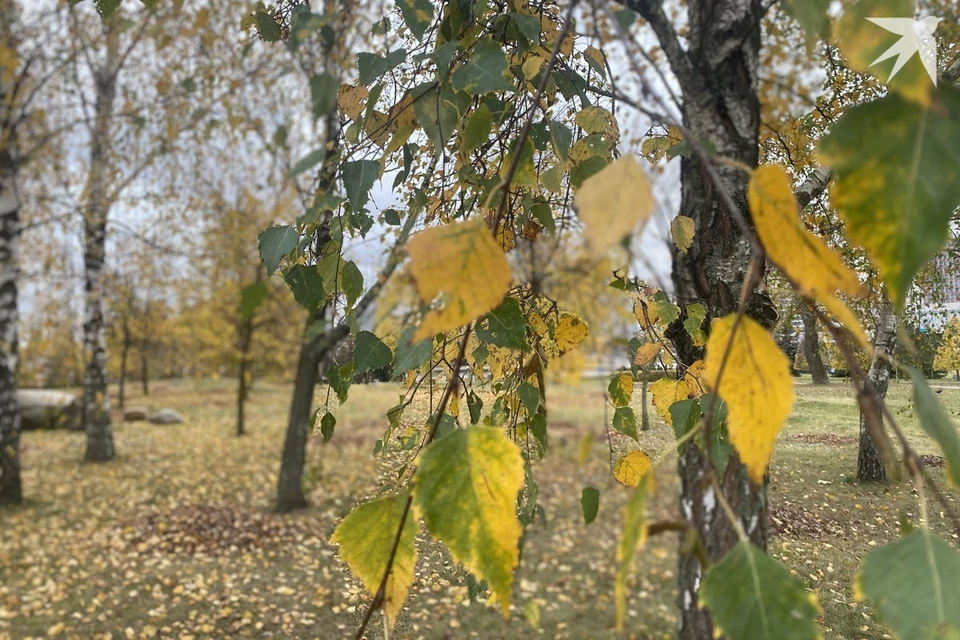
x=366, y=537
x=632, y=538
x=462, y=263
x=682, y=229
x=612, y=202
x=816, y=269
x=598, y=120
x=665, y=392
x=466, y=489
x=631, y=468
x=756, y=385
x=621, y=389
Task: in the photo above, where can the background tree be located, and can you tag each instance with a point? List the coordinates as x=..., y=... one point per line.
x=948, y=353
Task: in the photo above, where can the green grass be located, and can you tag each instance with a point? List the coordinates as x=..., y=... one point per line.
x=110, y=548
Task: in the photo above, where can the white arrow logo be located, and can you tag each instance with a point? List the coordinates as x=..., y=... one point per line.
x=916, y=37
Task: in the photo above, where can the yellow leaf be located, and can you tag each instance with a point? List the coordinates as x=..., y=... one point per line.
x=366, y=537
x=665, y=392
x=583, y=449
x=756, y=385
x=646, y=353
x=816, y=269
x=352, y=100
x=645, y=312
x=682, y=229
x=598, y=120
x=632, y=538
x=596, y=55
x=631, y=468
x=693, y=376
x=570, y=331
x=612, y=202
x=462, y=263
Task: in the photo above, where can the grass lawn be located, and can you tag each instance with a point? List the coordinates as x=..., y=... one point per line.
x=175, y=538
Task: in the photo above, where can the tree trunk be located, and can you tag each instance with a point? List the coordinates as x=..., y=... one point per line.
x=717, y=75
x=246, y=337
x=127, y=341
x=96, y=401
x=644, y=416
x=290, y=488
x=811, y=347
x=144, y=370
x=11, y=491
x=870, y=466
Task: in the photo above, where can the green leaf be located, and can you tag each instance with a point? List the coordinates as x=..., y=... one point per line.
x=484, y=71
x=439, y=111
x=666, y=310
x=475, y=405
x=583, y=170
x=251, y=297
x=308, y=161
x=537, y=425
x=107, y=7
x=753, y=597
x=466, y=489
x=366, y=538
x=267, y=26
x=371, y=66
x=625, y=422
x=632, y=538
x=620, y=388
x=504, y=326
x=477, y=130
x=625, y=18
x=937, y=424
x=275, y=243
x=307, y=285
x=370, y=353
x=915, y=585
x=392, y=217
x=897, y=191
x=358, y=178
x=589, y=504
x=340, y=379
x=561, y=137
x=323, y=94
x=530, y=397
x=529, y=26
x=327, y=424
x=409, y=355
x=417, y=14
x=693, y=323
x=351, y=280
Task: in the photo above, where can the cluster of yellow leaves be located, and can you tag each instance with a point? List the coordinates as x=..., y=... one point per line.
x=817, y=271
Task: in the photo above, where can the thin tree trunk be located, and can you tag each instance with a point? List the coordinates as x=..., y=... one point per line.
x=644, y=416
x=11, y=490
x=144, y=370
x=127, y=341
x=246, y=338
x=811, y=347
x=290, y=488
x=870, y=467
x=96, y=401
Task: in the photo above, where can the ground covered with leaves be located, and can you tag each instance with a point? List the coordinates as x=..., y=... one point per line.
x=176, y=538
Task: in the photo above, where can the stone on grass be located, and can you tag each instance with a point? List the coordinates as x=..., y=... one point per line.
x=49, y=409
x=135, y=414
x=166, y=416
